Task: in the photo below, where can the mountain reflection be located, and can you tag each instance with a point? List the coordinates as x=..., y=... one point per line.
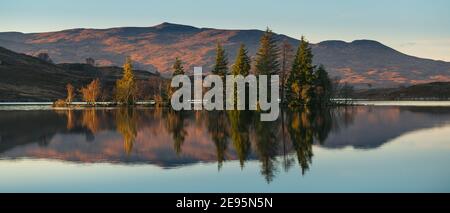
x=168, y=138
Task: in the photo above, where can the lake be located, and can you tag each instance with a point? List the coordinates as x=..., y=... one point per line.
x=382, y=148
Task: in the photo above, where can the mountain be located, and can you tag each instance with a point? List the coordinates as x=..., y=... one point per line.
x=434, y=90
x=27, y=78
x=361, y=62
x=372, y=63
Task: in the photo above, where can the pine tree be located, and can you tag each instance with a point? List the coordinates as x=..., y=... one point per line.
x=287, y=55
x=300, y=88
x=221, y=66
x=242, y=63
x=241, y=67
x=178, y=67
x=267, y=55
x=126, y=87
x=323, y=86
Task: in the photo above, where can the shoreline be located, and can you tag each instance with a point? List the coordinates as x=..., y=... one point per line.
x=443, y=103
x=85, y=105
x=75, y=103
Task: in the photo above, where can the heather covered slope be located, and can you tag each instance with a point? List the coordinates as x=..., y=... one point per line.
x=372, y=63
x=361, y=62
x=26, y=78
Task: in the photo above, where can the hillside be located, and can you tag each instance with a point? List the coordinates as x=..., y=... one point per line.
x=361, y=62
x=435, y=90
x=26, y=78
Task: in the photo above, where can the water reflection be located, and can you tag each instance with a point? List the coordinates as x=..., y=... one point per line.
x=169, y=139
x=175, y=125
x=218, y=129
x=126, y=125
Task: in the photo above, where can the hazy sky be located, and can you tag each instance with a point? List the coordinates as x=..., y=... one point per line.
x=416, y=27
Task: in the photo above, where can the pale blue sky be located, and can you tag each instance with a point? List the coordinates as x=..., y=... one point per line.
x=416, y=27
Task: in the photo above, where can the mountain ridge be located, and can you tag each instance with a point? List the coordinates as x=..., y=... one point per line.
x=360, y=62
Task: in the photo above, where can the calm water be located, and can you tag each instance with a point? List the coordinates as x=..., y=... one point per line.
x=352, y=149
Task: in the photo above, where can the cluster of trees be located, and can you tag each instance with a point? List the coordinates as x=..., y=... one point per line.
x=90, y=61
x=90, y=92
x=307, y=84
x=125, y=91
x=45, y=57
x=302, y=82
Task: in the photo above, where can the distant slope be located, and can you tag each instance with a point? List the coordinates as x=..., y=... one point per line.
x=26, y=78
x=369, y=62
x=360, y=62
x=435, y=90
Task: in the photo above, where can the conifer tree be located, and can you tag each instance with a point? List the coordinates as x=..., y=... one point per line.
x=221, y=66
x=126, y=87
x=241, y=67
x=267, y=55
x=178, y=67
x=287, y=56
x=300, y=88
x=242, y=64
x=323, y=86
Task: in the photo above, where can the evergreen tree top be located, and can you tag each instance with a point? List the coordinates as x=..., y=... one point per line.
x=242, y=64
x=322, y=77
x=178, y=68
x=303, y=68
x=267, y=56
x=221, y=65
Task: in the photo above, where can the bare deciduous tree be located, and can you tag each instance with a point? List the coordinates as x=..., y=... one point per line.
x=91, y=91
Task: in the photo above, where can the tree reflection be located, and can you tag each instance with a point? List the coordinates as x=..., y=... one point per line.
x=218, y=129
x=288, y=161
x=126, y=125
x=301, y=133
x=342, y=117
x=175, y=126
x=89, y=120
x=296, y=130
x=70, y=119
x=240, y=122
x=322, y=124
x=306, y=126
x=276, y=145
x=266, y=141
